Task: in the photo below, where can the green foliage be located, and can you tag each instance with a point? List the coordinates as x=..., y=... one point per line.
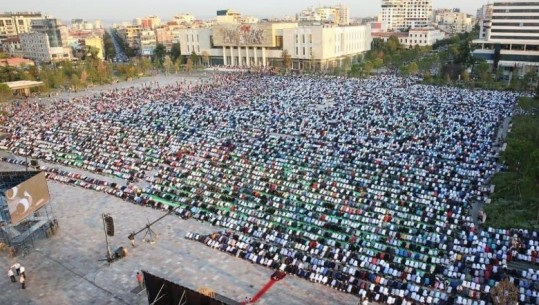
x=110, y=51
x=516, y=197
x=175, y=52
x=159, y=55
x=5, y=93
x=195, y=59
x=287, y=60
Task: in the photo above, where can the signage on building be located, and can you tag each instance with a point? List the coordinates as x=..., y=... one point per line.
x=229, y=35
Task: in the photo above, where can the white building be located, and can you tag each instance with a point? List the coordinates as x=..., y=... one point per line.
x=512, y=41
x=453, y=22
x=262, y=44
x=337, y=14
x=147, y=42
x=415, y=37
x=404, y=14
x=36, y=46
x=184, y=18
x=484, y=16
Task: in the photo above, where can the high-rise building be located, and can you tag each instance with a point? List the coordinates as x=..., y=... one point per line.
x=56, y=31
x=404, y=14
x=512, y=39
x=484, y=16
x=14, y=24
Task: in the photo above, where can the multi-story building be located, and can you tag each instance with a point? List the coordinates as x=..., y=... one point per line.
x=262, y=44
x=150, y=22
x=147, y=42
x=484, y=16
x=46, y=41
x=36, y=46
x=336, y=14
x=55, y=30
x=96, y=42
x=163, y=35
x=130, y=34
x=512, y=41
x=414, y=37
x=453, y=21
x=12, y=46
x=14, y=24
x=405, y=14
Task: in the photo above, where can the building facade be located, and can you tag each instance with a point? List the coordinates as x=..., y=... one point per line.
x=414, y=37
x=263, y=44
x=147, y=42
x=453, y=21
x=36, y=46
x=14, y=24
x=337, y=14
x=484, y=17
x=512, y=38
x=405, y=14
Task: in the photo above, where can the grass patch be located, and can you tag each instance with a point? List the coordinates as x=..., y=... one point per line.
x=515, y=202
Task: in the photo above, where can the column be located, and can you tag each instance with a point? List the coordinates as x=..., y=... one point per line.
x=239, y=56
x=232, y=56
x=255, y=56
x=247, y=58
x=264, y=63
x=224, y=56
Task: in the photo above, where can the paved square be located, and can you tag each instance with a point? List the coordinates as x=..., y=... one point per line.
x=66, y=268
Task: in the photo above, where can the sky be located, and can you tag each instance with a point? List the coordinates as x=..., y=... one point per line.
x=127, y=10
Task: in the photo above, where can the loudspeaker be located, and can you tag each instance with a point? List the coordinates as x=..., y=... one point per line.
x=109, y=224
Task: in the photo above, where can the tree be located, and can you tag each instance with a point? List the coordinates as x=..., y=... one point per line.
x=465, y=76
x=195, y=59
x=413, y=68
x=482, y=71
x=189, y=65
x=175, y=52
x=75, y=81
x=206, y=58
x=393, y=44
x=168, y=65
x=5, y=93
x=287, y=60
x=367, y=68
x=159, y=54
x=378, y=63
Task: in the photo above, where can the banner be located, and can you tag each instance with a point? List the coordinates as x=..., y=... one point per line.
x=27, y=197
x=230, y=35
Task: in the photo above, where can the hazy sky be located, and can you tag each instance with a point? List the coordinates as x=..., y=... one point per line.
x=118, y=10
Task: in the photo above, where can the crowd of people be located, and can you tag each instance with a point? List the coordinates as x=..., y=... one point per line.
x=366, y=186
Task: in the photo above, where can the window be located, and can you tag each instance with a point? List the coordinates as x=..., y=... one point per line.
x=297, y=38
x=310, y=38
x=303, y=51
x=21, y=22
x=303, y=38
x=1, y=22
x=297, y=50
